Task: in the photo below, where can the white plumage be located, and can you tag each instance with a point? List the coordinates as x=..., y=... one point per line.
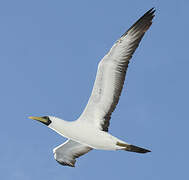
x=90, y=131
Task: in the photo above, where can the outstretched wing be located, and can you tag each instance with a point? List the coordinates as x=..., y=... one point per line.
x=111, y=74
x=66, y=153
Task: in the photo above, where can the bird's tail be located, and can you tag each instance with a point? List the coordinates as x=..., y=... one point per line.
x=132, y=148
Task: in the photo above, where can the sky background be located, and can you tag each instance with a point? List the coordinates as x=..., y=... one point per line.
x=49, y=51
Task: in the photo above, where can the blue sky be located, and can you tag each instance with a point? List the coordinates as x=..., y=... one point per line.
x=49, y=51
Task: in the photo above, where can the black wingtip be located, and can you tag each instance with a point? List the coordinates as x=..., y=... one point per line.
x=153, y=9
x=143, y=23
x=149, y=13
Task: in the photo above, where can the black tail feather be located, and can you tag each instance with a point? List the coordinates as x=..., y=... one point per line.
x=136, y=149
x=132, y=148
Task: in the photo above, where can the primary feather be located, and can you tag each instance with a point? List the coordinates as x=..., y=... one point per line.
x=111, y=73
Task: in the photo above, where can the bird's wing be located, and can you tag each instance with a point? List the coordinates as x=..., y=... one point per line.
x=111, y=74
x=66, y=153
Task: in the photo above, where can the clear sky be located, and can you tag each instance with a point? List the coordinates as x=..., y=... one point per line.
x=49, y=51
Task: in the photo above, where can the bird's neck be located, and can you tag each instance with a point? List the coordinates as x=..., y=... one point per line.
x=62, y=127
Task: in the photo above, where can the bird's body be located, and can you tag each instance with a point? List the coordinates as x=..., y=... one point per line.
x=90, y=131
x=85, y=133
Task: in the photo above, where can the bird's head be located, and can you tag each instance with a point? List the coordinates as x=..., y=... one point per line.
x=52, y=122
x=47, y=120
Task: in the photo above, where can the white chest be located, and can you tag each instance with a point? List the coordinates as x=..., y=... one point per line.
x=86, y=134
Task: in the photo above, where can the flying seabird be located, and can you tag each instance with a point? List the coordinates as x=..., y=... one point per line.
x=90, y=130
